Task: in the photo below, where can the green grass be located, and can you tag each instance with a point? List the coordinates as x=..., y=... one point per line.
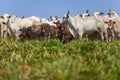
x=52, y=60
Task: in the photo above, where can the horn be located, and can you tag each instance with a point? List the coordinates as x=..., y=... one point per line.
x=50, y=17
x=87, y=11
x=56, y=17
x=68, y=12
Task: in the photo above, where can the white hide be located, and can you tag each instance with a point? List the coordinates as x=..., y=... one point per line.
x=51, y=23
x=15, y=23
x=79, y=25
x=3, y=22
x=34, y=19
x=6, y=17
x=97, y=14
x=113, y=14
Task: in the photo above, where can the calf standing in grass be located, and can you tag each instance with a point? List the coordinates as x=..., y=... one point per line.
x=110, y=29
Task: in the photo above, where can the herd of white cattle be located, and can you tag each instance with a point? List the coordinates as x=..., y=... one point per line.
x=81, y=25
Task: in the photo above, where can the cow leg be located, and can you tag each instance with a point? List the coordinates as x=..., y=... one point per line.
x=49, y=35
x=80, y=35
x=113, y=34
x=9, y=33
x=118, y=36
x=5, y=34
x=106, y=37
x=102, y=36
x=1, y=34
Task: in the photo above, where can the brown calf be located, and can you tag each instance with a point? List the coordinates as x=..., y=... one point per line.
x=110, y=29
x=91, y=35
x=64, y=34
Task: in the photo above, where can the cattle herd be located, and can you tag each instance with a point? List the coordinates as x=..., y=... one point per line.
x=97, y=27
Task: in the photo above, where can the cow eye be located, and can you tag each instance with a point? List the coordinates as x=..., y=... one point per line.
x=64, y=17
x=9, y=17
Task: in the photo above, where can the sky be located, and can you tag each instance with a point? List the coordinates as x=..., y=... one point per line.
x=47, y=8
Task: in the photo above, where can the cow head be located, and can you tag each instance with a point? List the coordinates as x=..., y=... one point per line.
x=110, y=28
x=66, y=16
x=110, y=24
x=112, y=13
x=53, y=18
x=85, y=15
x=98, y=13
x=5, y=18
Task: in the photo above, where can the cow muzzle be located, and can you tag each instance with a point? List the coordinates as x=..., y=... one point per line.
x=4, y=22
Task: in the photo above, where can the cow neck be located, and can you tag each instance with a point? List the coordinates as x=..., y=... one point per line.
x=9, y=27
x=72, y=28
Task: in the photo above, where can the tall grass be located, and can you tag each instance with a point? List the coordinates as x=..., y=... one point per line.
x=52, y=60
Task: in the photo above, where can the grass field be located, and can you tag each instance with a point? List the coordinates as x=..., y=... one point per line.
x=52, y=60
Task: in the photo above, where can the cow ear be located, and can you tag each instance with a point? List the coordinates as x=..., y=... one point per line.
x=114, y=22
x=81, y=15
x=101, y=13
x=1, y=17
x=106, y=22
x=9, y=16
x=88, y=14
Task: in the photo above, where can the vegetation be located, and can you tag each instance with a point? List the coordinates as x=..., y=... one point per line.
x=52, y=60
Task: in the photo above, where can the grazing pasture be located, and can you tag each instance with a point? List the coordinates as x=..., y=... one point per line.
x=80, y=47
x=53, y=60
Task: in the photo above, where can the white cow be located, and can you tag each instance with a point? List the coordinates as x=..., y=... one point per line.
x=14, y=24
x=85, y=15
x=113, y=14
x=34, y=19
x=98, y=14
x=117, y=27
x=4, y=31
x=79, y=25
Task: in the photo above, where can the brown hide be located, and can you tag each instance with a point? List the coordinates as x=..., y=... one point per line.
x=64, y=33
x=91, y=35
